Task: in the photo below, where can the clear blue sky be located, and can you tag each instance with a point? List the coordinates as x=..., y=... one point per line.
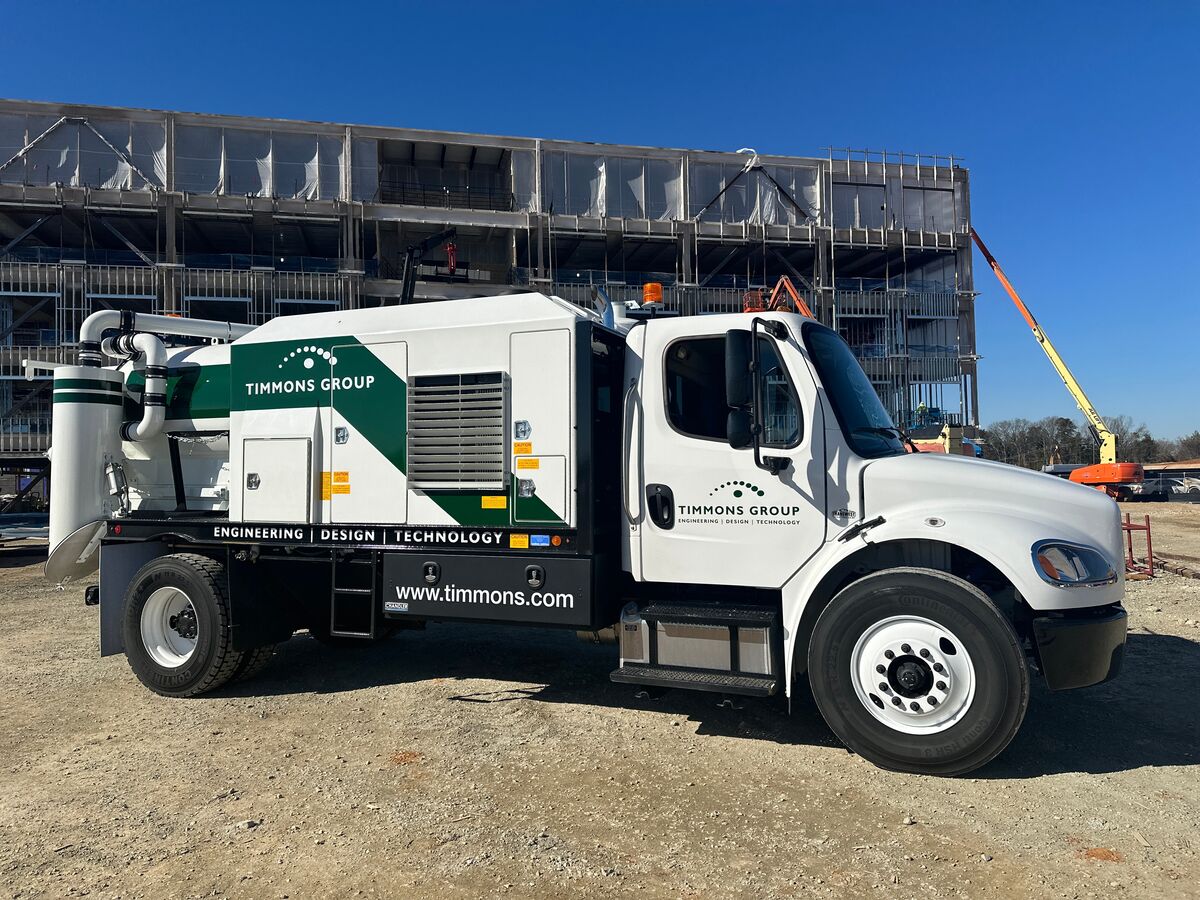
x=1078, y=123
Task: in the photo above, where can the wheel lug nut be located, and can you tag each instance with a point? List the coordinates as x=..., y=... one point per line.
x=941, y=685
x=906, y=648
x=883, y=687
x=888, y=654
x=937, y=667
x=932, y=701
x=914, y=706
x=925, y=653
x=880, y=669
x=896, y=701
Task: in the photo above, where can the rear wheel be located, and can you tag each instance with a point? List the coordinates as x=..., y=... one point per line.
x=918, y=671
x=176, y=626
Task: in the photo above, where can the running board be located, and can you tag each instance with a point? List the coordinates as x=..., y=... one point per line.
x=696, y=680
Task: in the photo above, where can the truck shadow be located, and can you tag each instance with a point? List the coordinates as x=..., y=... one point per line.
x=540, y=665
x=1146, y=717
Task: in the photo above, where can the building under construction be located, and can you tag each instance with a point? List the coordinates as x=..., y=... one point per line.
x=243, y=219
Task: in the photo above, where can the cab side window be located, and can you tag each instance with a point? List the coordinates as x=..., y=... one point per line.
x=780, y=415
x=695, y=386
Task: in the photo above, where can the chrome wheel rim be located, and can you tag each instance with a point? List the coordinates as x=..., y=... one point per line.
x=169, y=627
x=913, y=675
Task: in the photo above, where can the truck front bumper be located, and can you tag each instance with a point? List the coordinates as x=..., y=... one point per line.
x=1081, y=647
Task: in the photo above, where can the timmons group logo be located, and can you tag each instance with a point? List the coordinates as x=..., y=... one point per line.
x=308, y=357
x=738, y=503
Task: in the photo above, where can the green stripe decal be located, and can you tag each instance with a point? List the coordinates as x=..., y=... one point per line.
x=333, y=371
x=466, y=508
x=83, y=397
x=87, y=384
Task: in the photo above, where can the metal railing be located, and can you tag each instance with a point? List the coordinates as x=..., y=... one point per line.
x=24, y=434
x=412, y=193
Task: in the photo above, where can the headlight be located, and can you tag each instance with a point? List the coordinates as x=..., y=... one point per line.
x=1070, y=565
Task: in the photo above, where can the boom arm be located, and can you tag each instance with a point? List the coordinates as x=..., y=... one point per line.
x=1107, y=439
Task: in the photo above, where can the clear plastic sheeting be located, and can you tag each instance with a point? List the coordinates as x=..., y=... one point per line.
x=630, y=187
x=752, y=197
x=524, y=169
x=247, y=162
x=859, y=206
x=198, y=160
x=73, y=154
x=364, y=161
x=257, y=163
x=929, y=209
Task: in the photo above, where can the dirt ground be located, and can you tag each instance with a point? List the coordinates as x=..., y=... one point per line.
x=474, y=761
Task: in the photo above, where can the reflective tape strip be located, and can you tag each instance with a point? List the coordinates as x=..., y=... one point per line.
x=87, y=384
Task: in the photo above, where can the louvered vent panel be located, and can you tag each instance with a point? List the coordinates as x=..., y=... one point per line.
x=456, y=431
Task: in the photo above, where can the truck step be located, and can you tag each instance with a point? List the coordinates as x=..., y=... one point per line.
x=696, y=680
x=743, y=616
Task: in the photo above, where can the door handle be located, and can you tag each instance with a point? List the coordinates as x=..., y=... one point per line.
x=661, y=504
x=252, y=481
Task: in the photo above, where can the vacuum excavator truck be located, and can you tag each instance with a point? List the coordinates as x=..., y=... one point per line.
x=726, y=493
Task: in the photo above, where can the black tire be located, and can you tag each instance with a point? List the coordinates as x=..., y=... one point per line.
x=253, y=662
x=213, y=661
x=986, y=725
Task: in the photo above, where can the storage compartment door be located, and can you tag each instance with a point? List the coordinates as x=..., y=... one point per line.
x=277, y=480
x=541, y=490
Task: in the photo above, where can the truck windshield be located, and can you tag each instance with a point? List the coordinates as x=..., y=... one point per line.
x=868, y=428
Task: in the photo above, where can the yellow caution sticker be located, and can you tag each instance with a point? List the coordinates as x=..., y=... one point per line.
x=529, y=463
x=494, y=502
x=522, y=448
x=341, y=488
x=325, y=491
x=518, y=541
x=341, y=477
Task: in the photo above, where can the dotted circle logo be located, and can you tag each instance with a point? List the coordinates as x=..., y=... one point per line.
x=310, y=353
x=740, y=489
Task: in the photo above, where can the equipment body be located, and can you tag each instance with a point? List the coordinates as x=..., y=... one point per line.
x=725, y=492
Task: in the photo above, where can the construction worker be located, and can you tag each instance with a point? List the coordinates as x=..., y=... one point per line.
x=922, y=413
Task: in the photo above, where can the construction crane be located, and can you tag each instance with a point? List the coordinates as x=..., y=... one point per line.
x=1108, y=473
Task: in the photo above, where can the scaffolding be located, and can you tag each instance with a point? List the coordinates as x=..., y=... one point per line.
x=246, y=219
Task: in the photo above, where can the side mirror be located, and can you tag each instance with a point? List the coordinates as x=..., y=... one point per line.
x=739, y=429
x=739, y=383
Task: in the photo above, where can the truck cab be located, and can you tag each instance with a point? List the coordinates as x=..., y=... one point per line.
x=725, y=495
x=762, y=464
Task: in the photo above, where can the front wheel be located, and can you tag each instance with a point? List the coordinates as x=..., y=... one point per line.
x=918, y=671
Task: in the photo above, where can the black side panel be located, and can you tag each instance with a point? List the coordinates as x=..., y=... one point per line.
x=600, y=356
x=270, y=599
x=530, y=590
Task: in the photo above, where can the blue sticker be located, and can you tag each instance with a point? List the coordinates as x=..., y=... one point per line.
x=539, y=540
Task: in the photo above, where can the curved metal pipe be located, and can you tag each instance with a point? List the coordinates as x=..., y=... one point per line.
x=127, y=322
x=154, y=400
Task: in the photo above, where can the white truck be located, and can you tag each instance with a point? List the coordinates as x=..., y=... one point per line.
x=725, y=491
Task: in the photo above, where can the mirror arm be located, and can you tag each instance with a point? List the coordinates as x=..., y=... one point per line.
x=777, y=330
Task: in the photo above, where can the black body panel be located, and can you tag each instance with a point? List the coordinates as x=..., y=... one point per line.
x=524, y=589
x=1082, y=647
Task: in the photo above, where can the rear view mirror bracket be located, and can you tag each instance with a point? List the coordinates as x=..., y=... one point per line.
x=743, y=390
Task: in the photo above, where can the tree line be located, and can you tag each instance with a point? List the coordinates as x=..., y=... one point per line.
x=1033, y=444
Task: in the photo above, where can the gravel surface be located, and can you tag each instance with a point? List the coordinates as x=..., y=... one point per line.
x=474, y=761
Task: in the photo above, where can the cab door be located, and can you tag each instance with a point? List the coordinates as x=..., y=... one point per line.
x=705, y=512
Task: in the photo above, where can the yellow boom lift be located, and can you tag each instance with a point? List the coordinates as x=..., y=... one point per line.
x=1108, y=473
